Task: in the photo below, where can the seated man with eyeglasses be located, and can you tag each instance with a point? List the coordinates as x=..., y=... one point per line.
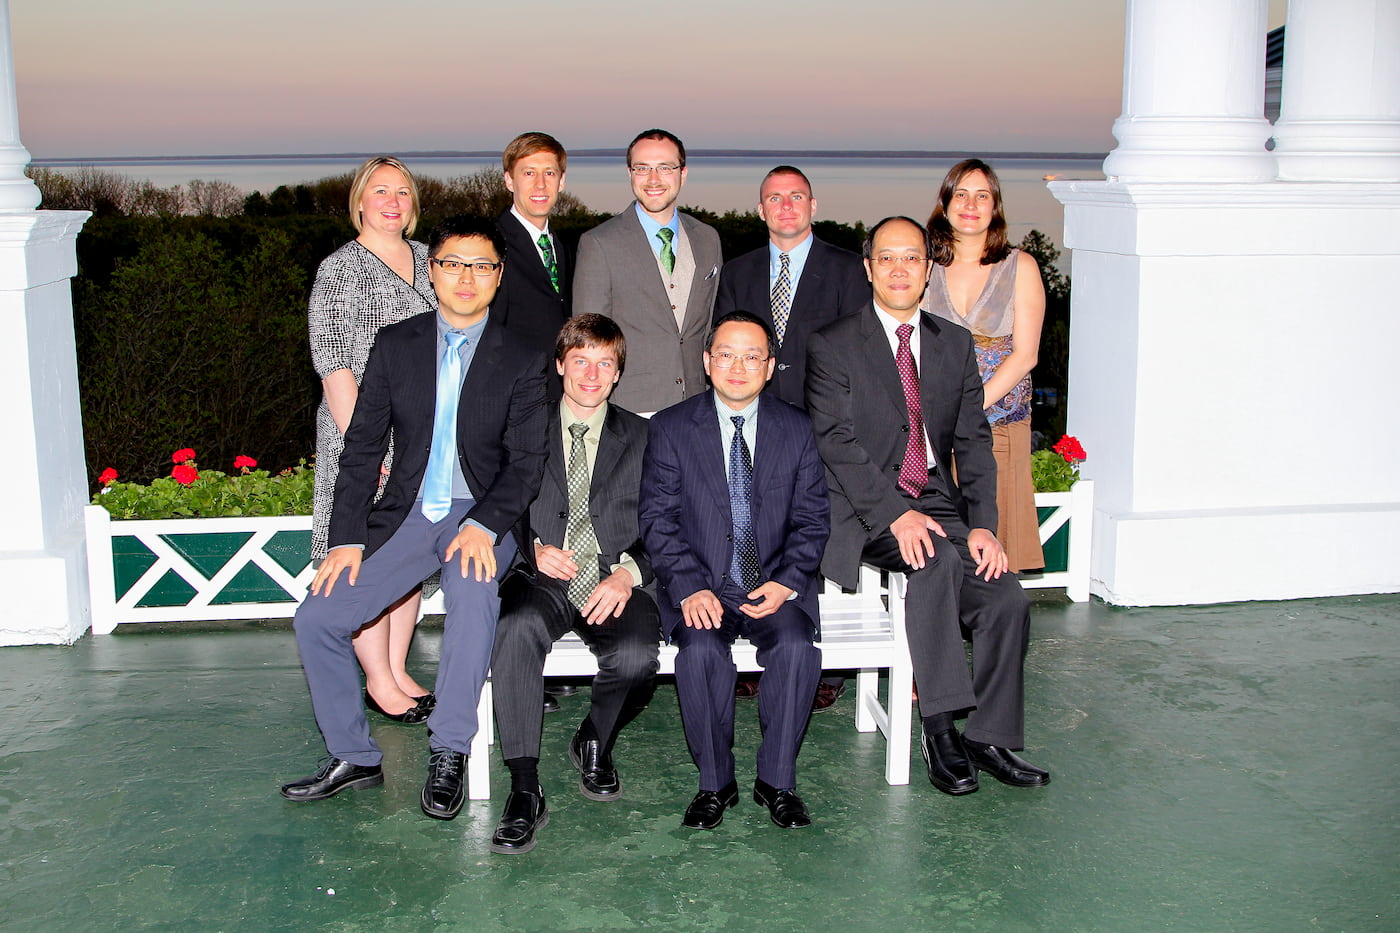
x=655, y=271
x=734, y=515
x=464, y=399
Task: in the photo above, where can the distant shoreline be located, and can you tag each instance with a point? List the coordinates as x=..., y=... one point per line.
x=595, y=153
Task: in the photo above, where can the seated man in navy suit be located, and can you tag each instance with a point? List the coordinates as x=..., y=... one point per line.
x=583, y=571
x=465, y=402
x=734, y=515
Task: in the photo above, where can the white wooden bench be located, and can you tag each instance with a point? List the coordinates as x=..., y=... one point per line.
x=863, y=631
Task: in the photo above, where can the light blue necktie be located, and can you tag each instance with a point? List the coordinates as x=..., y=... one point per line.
x=437, y=481
x=743, y=565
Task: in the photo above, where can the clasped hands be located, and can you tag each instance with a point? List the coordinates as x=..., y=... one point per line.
x=702, y=609
x=608, y=598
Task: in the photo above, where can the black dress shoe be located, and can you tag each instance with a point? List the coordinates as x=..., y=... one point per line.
x=444, y=791
x=333, y=777
x=551, y=703
x=706, y=811
x=561, y=690
x=949, y=768
x=785, y=808
x=597, y=777
x=524, y=814
x=414, y=715
x=1005, y=765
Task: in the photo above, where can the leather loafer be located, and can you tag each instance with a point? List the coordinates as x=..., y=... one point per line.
x=551, y=703
x=331, y=778
x=414, y=715
x=949, y=768
x=785, y=808
x=524, y=814
x=1005, y=765
x=444, y=791
x=597, y=776
x=706, y=811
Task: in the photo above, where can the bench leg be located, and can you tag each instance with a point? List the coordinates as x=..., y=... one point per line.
x=479, y=761
x=867, y=696
x=901, y=690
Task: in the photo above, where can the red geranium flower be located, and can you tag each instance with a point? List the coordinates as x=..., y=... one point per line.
x=1070, y=448
x=183, y=455
x=185, y=474
x=109, y=475
x=242, y=462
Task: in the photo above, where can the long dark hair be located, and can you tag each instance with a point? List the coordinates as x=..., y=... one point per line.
x=941, y=232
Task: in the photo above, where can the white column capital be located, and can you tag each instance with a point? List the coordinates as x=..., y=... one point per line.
x=1193, y=93
x=1340, y=113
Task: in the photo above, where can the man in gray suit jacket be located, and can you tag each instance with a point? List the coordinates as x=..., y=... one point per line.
x=583, y=569
x=655, y=271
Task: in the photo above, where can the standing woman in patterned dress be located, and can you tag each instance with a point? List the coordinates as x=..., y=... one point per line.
x=378, y=278
x=994, y=290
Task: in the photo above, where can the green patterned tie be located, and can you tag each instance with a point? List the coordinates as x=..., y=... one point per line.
x=548, y=249
x=668, y=258
x=578, y=533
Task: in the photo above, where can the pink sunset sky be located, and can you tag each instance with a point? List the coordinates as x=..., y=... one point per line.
x=171, y=77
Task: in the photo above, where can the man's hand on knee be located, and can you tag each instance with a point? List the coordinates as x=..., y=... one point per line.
x=766, y=600
x=337, y=559
x=476, y=546
x=988, y=552
x=911, y=532
x=702, y=609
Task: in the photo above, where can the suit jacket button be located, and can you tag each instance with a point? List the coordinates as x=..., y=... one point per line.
x=563, y=514
x=680, y=380
x=905, y=429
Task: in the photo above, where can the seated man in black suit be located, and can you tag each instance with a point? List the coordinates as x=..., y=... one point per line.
x=734, y=515
x=896, y=399
x=534, y=298
x=798, y=284
x=584, y=571
x=464, y=400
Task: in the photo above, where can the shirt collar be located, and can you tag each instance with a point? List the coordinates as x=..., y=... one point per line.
x=594, y=421
x=530, y=228
x=724, y=412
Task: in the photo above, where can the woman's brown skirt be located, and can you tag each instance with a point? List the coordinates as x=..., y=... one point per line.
x=1019, y=533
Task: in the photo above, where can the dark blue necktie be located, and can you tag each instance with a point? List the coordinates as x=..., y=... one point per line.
x=743, y=566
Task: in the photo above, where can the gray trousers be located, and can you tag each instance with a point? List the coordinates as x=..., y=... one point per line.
x=534, y=615
x=324, y=626
x=947, y=603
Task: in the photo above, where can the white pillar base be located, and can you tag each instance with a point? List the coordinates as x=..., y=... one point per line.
x=43, y=566
x=1190, y=558
x=1231, y=379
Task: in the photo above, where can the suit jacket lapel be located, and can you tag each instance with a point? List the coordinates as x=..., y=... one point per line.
x=610, y=446
x=766, y=446
x=932, y=363
x=710, y=454
x=556, y=460
x=881, y=359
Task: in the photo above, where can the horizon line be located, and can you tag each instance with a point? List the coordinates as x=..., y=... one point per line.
x=603, y=153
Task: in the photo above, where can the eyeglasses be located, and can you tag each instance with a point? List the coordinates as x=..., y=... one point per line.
x=454, y=267
x=665, y=171
x=728, y=360
x=887, y=261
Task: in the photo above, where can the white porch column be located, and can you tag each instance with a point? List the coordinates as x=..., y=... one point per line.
x=1340, y=116
x=1230, y=361
x=43, y=570
x=1193, y=93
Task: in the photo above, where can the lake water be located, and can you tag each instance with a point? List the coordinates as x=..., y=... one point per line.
x=846, y=189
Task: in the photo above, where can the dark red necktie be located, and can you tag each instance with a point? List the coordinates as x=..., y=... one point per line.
x=913, y=475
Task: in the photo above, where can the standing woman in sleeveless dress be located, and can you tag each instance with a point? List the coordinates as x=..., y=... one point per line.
x=994, y=290
x=378, y=278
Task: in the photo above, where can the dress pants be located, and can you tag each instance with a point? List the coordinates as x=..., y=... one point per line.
x=948, y=602
x=534, y=615
x=324, y=625
x=705, y=676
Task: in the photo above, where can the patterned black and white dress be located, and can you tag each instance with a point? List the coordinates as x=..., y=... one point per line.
x=355, y=294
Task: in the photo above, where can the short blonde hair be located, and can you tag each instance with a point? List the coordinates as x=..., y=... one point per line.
x=361, y=182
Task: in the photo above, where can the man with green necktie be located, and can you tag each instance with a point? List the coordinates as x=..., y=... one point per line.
x=655, y=271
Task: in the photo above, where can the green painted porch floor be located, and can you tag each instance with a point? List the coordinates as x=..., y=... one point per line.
x=1220, y=768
